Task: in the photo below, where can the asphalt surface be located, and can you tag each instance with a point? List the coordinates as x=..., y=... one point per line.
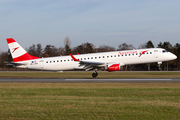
x=59, y=80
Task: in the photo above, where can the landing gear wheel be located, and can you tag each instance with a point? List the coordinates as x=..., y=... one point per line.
x=95, y=74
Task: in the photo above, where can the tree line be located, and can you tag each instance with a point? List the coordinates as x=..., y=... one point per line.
x=84, y=48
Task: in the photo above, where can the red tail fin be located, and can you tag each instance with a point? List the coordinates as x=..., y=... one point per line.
x=17, y=52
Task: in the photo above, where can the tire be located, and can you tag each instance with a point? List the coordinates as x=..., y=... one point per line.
x=94, y=75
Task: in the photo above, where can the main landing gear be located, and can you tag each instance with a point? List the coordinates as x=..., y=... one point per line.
x=95, y=74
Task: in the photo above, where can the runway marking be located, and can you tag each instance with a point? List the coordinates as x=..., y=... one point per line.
x=114, y=79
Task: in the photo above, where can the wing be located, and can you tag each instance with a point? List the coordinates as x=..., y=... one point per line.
x=88, y=65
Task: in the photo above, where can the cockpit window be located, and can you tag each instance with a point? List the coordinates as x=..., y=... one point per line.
x=164, y=51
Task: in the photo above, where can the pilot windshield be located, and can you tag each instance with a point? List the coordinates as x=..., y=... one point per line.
x=164, y=51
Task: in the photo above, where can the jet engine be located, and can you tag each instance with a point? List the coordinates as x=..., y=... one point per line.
x=113, y=67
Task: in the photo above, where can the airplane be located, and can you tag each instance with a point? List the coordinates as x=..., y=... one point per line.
x=110, y=61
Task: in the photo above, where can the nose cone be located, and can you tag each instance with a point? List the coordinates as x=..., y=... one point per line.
x=174, y=56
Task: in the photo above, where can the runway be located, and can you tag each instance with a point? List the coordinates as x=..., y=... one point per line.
x=60, y=80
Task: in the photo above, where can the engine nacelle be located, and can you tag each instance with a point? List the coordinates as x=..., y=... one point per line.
x=113, y=67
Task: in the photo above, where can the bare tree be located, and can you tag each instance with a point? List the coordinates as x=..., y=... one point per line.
x=50, y=51
x=32, y=50
x=61, y=51
x=35, y=50
x=105, y=48
x=39, y=50
x=67, y=44
x=125, y=46
x=84, y=48
x=4, y=56
x=142, y=46
x=148, y=44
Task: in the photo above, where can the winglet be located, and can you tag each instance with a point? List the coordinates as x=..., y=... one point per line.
x=73, y=57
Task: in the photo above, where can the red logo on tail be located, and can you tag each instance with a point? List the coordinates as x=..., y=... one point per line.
x=15, y=49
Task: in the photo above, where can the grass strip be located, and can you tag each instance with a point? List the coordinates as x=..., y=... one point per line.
x=87, y=101
x=89, y=74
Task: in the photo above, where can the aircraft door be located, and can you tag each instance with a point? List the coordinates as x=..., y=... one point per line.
x=156, y=54
x=42, y=63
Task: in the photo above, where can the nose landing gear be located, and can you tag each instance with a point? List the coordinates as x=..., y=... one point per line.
x=159, y=65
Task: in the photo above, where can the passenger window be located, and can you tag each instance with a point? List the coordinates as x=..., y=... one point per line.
x=114, y=55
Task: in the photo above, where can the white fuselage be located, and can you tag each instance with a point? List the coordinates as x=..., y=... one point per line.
x=127, y=57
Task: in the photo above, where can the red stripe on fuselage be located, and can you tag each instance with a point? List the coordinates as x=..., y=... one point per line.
x=10, y=40
x=24, y=57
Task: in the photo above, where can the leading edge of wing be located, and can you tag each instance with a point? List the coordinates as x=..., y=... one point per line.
x=85, y=62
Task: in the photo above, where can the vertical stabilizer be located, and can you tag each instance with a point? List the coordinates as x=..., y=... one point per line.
x=17, y=52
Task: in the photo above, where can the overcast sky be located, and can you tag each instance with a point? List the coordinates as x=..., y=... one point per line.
x=109, y=22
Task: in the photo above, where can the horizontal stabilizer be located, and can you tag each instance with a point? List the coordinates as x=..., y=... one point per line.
x=13, y=64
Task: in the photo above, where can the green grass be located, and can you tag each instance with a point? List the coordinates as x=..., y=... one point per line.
x=89, y=101
x=89, y=74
